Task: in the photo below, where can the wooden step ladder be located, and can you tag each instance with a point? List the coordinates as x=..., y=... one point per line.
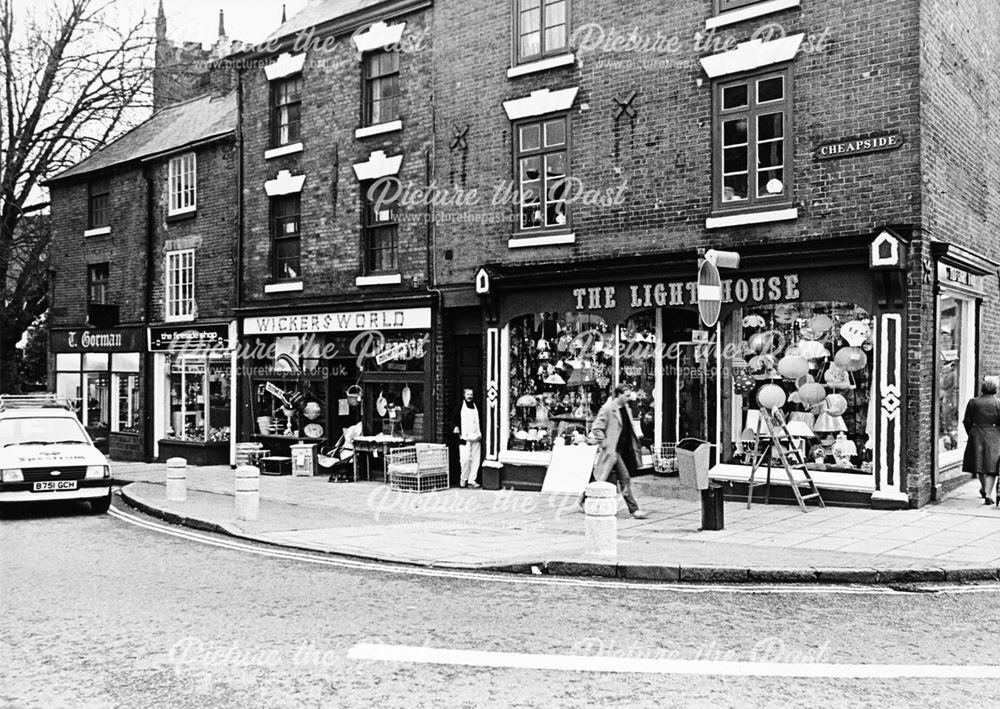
x=773, y=442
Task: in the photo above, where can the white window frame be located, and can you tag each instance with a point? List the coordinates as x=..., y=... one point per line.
x=182, y=184
x=968, y=364
x=179, y=283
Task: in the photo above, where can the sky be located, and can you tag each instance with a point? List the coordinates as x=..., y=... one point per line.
x=198, y=20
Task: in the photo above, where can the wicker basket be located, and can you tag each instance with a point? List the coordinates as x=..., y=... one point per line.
x=419, y=468
x=665, y=459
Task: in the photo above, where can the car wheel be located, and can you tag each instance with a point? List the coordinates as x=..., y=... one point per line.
x=100, y=505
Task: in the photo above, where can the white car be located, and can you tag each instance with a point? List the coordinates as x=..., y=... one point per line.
x=46, y=454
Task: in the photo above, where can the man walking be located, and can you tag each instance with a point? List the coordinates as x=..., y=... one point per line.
x=470, y=435
x=619, y=446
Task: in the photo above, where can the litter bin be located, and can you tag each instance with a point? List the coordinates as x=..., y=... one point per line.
x=693, y=463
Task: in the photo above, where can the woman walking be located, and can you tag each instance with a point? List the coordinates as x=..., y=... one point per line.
x=982, y=452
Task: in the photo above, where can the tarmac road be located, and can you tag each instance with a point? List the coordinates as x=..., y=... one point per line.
x=100, y=612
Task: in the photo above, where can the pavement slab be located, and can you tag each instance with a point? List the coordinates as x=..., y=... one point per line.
x=507, y=529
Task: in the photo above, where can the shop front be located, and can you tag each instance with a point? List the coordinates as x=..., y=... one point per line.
x=100, y=373
x=554, y=356
x=309, y=377
x=194, y=370
x=961, y=280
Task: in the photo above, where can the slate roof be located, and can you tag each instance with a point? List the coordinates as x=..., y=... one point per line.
x=173, y=127
x=316, y=12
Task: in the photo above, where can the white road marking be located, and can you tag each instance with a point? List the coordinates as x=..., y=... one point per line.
x=319, y=558
x=661, y=666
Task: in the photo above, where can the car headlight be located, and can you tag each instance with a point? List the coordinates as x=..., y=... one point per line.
x=98, y=471
x=11, y=475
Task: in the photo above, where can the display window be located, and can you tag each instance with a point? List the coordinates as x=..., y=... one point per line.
x=200, y=398
x=561, y=370
x=956, y=373
x=104, y=390
x=819, y=355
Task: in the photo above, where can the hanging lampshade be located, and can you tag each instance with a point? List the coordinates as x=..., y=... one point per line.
x=804, y=416
x=804, y=379
x=825, y=423
x=835, y=404
x=812, y=394
x=793, y=367
x=820, y=324
x=851, y=359
x=856, y=332
x=810, y=349
x=771, y=396
x=743, y=383
x=837, y=378
x=527, y=400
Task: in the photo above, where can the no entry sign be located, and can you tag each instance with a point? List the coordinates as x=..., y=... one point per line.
x=709, y=293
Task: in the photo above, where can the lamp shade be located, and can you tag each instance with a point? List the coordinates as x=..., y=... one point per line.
x=771, y=396
x=851, y=359
x=825, y=423
x=793, y=367
x=527, y=400
x=800, y=429
x=811, y=394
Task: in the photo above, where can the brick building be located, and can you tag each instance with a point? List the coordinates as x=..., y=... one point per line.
x=335, y=306
x=143, y=252
x=839, y=147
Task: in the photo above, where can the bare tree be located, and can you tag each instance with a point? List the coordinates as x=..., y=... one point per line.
x=73, y=77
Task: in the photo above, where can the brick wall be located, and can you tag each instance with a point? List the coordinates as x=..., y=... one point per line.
x=863, y=81
x=211, y=232
x=961, y=200
x=124, y=249
x=331, y=233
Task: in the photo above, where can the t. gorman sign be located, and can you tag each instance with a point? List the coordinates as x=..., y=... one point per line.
x=347, y=321
x=118, y=340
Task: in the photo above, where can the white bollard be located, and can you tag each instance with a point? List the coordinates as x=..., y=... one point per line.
x=247, y=492
x=177, y=479
x=601, y=508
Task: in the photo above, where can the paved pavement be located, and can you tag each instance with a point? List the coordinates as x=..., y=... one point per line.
x=958, y=539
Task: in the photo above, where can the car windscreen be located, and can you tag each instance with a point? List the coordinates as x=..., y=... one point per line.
x=41, y=430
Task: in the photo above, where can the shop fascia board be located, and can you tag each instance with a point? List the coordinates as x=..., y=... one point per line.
x=961, y=257
x=850, y=251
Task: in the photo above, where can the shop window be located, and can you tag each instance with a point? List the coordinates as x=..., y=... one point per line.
x=637, y=363
x=286, y=236
x=98, y=279
x=820, y=355
x=99, y=204
x=561, y=372
x=182, y=181
x=753, y=165
x=956, y=373
x=200, y=398
x=541, y=28
x=542, y=164
x=180, y=285
x=286, y=110
x=125, y=413
x=380, y=225
x=395, y=408
x=381, y=87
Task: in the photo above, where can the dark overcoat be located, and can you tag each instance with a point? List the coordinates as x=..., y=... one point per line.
x=982, y=423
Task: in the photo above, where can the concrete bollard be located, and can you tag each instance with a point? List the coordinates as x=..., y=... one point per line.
x=177, y=479
x=247, y=492
x=601, y=508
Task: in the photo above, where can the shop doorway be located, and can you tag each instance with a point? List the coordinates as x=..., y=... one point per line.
x=468, y=373
x=689, y=381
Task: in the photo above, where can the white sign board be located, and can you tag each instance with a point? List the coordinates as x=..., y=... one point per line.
x=348, y=321
x=569, y=469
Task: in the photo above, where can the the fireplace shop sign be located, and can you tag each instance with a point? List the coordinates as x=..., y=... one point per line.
x=179, y=339
x=117, y=340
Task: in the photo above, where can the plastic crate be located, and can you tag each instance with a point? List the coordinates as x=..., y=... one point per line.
x=419, y=468
x=665, y=459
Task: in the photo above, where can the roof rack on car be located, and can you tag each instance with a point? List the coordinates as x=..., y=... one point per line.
x=34, y=401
